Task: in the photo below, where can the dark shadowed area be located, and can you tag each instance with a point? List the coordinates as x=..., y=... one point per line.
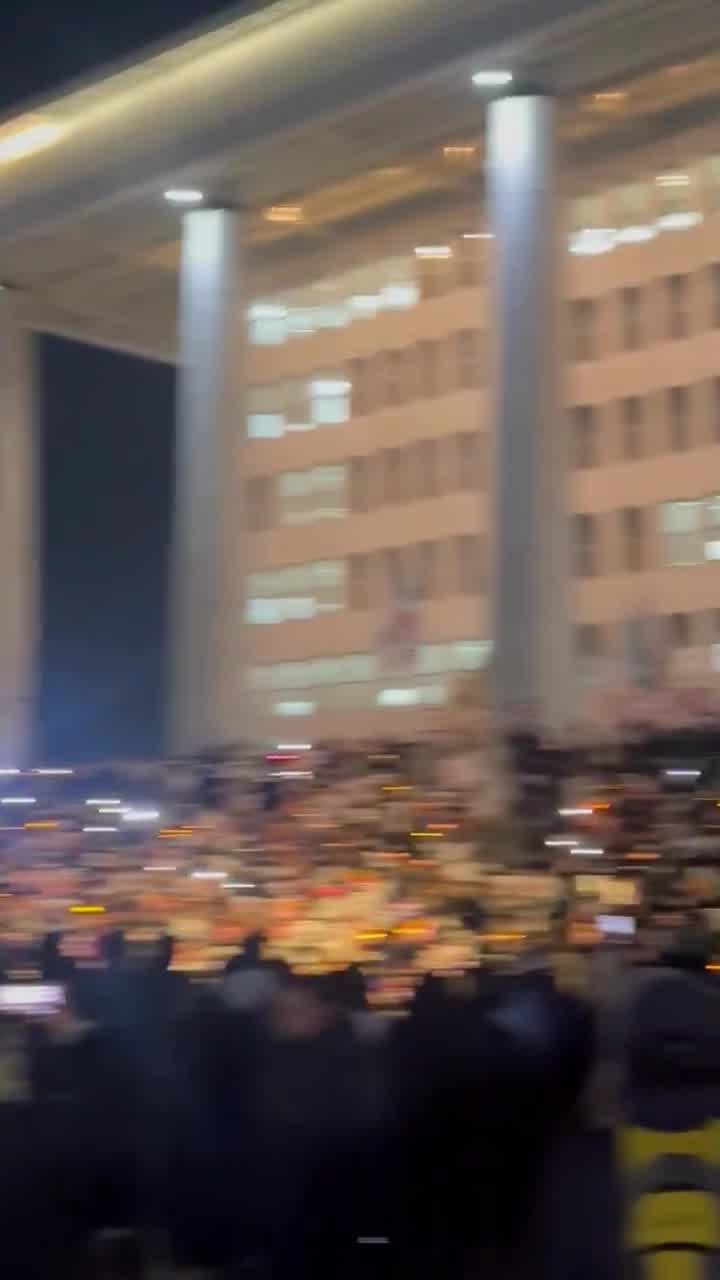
x=106, y=461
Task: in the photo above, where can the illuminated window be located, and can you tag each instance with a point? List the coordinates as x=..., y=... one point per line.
x=330, y=400
x=632, y=428
x=296, y=593
x=584, y=435
x=682, y=526
x=584, y=545
x=267, y=325
x=304, y=497
x=294, y=708
x=678, y=407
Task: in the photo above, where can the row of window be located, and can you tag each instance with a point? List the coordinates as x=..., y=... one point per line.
x=353, y=668
x=419, y=571
x=669, y=421
x=423, y=370
x=631, y=214
x=665, y=310
x=409, y=473
x=689, y=530
x=670, y=631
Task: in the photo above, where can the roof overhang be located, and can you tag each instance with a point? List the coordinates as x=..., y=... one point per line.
x=300, y=96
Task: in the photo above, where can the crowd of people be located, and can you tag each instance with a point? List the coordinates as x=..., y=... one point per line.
x=328, y=1010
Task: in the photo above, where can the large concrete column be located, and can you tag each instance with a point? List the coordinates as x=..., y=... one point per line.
x=531, y=623
x=18, y=542
x=208, y=634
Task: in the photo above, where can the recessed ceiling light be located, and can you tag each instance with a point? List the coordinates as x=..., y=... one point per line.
x=679, y=221
x=673, y=180
x=609, y=98
x=283, y=213
x=184, y=195
x=478, y=235
x=433, y=251
x=492, y=79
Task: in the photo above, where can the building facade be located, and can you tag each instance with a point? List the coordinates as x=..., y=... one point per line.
x=443, y=288
x=369, y=419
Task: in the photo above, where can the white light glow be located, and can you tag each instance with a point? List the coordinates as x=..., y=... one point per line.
x=492, y=79
x=478, y=235
x=209, y=875
x=292, y=773
x=97, y=830
x=580, y=851
x=294, y=746
x=238, y=884
x=140, y=815
x=328, y=387
x=18, y=800
x=593, y=240
x=184, y=195
x=575, y=813
x=682, y=773
x=560, y=842
x=53, y=773
x=161, y=867
x=679, y=221
x=638, y=234
x=99, y=800
x=24, y=141
x=673, y=180
x=438, y=251
x=294, y=708
x=9, y=773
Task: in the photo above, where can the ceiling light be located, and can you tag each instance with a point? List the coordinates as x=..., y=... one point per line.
x=478, y=235
x=459, y=151
x=673, y=180
x=593, y=240
x=492, y=79
x=24, y=138
x=433, y=251
x=283, y=213
x=608, y=99
x=184, y=195
x=679, y=221
x=638, y=234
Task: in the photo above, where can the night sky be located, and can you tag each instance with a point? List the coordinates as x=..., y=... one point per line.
x=106, y=432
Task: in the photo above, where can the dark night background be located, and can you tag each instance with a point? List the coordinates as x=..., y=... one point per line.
x=106, y=431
